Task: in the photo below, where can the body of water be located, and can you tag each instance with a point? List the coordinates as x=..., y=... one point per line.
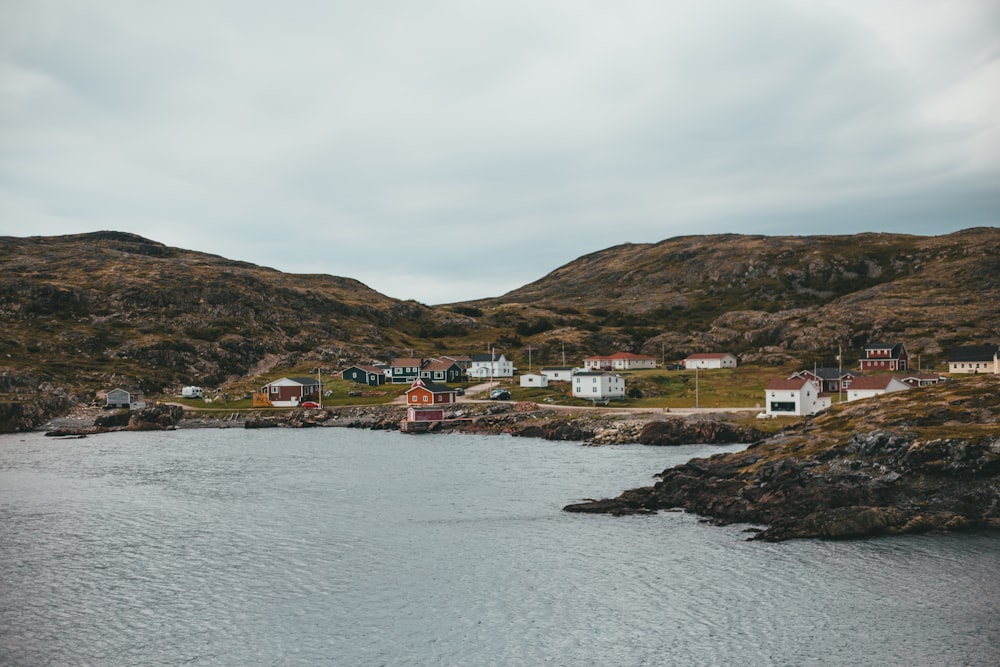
x=352, y=547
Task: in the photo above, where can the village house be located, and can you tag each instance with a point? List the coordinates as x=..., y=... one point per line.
x=494, y=365
x=441, y=370
x=974, y=359
x=405, y=369
x=710, y=360
x=921, y=379
x=620, y=361
x=463, y=361
x=874, y=385
x=133, y=399
x=363, y=374
x=424, y=392
x=884, y=357
x=559, y=373
x=534, y=380
x=290, y=392
x=425, y=401
x=598, y=386
x=796, y=396
x=829, y=380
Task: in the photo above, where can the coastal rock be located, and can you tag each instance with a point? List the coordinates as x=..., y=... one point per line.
x=836, y=476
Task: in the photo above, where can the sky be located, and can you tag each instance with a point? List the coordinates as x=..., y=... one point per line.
x=448, y=151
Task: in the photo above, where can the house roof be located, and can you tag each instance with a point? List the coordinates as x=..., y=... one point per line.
x=457, y=357
x=596, y=374
x=708, y=355
x=440, y=365
x=829, y=373
x=284, y=382
x=557, y=368
x=896, y=348
x=973, y=353
x=790, y=383
x=621, y=355
x=873, y=382
x=430, y=386
x=921, y=376
x=367, y=369
x=407, y=362
x=482, y=357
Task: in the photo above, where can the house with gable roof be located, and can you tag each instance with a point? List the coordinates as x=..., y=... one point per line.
x=494, y=365
x=598, y=386
x=441, y=370
x=884, y=357
x=829, y=380
x=290, y=392
x=875, y=385
x=364, y=374
x=796, y=396
x=974, y=359
x=710, y=360
x=405, y=369
x=619, y=361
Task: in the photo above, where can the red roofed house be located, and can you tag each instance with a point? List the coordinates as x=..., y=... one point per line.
x=441, y=370
x=620, y=361
x=794, y=397
x=873, y=385
x=710, y=360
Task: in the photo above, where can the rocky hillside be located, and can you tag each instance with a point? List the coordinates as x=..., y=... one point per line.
x=912, y=461
x=766, y=298
x=92, y=310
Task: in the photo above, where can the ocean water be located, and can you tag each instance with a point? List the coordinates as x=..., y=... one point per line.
x=352, y=547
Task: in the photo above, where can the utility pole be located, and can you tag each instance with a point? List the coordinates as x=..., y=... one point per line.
x=696, y=400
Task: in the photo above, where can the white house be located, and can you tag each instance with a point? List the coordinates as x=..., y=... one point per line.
x=133, y=399
x=598, y=386
x=974, y=359
x=794, y=397
x=559, y=373
x=620, y=361
x=534, y=380
x=486, y=366
x=872, y=385
x=710, y=360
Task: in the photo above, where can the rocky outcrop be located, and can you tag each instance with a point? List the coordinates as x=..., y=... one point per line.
x=915, y=461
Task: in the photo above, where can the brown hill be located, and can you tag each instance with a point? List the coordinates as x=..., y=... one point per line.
x=89, y=310
x=767, y=298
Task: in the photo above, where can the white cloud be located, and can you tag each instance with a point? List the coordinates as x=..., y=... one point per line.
x=285, y=134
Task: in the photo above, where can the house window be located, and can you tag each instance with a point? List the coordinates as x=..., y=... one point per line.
x=425, y=398
x=782, y=406
x=274, y=390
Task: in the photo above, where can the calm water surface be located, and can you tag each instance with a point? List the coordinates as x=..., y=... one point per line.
x=350, y=547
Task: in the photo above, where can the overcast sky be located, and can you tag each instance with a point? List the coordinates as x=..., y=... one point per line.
x=444, y=151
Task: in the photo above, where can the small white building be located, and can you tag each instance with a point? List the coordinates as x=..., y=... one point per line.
x=867, y=386
x=620, y=361
x=794, y=397
x=133, y=399
x=598, y=386
x=534, y=380
x=485, y=366
x=560, y=373
x=710, y=360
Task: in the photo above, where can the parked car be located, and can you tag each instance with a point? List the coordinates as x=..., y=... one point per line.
x=460, y=392
x=675, y=367
x=499, y=395
x=310, y=405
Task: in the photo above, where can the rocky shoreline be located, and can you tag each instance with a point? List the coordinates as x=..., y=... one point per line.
x=916, y=461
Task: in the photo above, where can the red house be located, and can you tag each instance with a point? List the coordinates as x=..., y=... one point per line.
x=426, y=393
x=884, y=357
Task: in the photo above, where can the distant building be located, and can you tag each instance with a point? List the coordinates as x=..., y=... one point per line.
x=829, y=380
x=441, y=370
x=426, y=393
x=921, y=379
x=133, y=399
x=710, y=360
x=290, y=392
x=534, y=380
x=875, y=385
x=598, y=386
x=884, y=357
x=559, y=373
x=363, y=374
x=795, y=396
x=485, y=366
x=620, y=361
x=974, y=359
x=405, y=369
